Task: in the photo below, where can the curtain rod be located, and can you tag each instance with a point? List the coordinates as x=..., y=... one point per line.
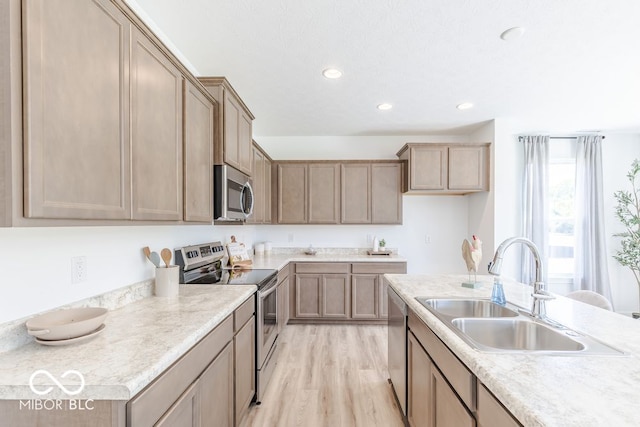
x=558, y=137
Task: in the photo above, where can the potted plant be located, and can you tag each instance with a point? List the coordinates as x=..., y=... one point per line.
x=382, y=244
x=628, y=213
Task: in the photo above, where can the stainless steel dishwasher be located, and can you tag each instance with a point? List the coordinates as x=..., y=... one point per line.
x=397, y=323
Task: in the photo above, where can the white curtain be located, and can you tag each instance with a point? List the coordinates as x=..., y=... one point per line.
x=535, y=205
x=591, y=272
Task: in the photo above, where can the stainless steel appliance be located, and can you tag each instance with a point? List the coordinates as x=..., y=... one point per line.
x=232, y=196
x=204, y=265
x=397, y=324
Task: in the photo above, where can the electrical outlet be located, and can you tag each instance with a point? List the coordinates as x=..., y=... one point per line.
x=369, y=239
x=291, y=237
x=427, y=239
x=78, y=269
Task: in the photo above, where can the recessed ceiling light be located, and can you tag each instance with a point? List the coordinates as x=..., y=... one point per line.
x=464, y=106
x=332, y=73
x=512, y=34
x=385, y=106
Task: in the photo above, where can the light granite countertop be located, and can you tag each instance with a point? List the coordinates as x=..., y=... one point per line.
x=545, y=390
x=140, y=341
x=279, y=261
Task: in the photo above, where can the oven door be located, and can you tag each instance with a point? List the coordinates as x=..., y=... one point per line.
x=267, y=321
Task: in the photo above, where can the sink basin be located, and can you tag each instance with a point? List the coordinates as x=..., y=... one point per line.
x=455, y=308
x=516, y=335
x=493, y=328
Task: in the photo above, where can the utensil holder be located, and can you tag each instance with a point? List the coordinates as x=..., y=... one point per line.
x=167, y=281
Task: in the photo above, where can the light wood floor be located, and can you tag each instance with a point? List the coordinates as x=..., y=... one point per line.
x=329, y=375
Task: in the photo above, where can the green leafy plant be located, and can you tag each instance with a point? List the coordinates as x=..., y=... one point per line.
x=382, y=243
x=628, y=213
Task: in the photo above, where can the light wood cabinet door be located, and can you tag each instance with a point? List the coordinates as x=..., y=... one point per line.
x=292, y=193
x=356, y=194
x=198, y=155
x=365, y=296
x=490, y=412
x=386, y=193
x=232, y=116
x=448, y=410
x=245, y=379
x=217, y=391
x=267, y=190
x=384, y=302
x=156, y=144
x=308, y=295
x=76, y=110
x=419, y=385
x=259, y=184
x=185, y=412
x=428, y=168
x=323, y=193
x=336, y=290
x=467, y=168
x=245, y=145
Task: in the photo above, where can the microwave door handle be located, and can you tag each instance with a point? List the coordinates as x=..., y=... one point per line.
x=246, y=187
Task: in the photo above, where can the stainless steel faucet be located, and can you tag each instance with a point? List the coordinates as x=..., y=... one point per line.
x=540, y=294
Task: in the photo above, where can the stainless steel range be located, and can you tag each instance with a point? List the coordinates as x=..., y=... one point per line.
x=204, y=265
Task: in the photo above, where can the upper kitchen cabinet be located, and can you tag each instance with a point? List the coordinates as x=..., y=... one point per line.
x=324, y=193
x=356, y=193
x=261, y=186
x=76, y=110
x=308, y=193
x=446, y=168
x=233, y=142
x=291, y=193
x=198, y=155
x=156, y=133
x=93, y=121
x=371, y=193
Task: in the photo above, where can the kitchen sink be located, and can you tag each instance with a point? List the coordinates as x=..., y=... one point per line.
x=515, y=334
x=493, y=328
x=467, y=308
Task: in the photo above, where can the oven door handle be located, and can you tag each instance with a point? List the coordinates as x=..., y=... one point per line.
x=269, y=290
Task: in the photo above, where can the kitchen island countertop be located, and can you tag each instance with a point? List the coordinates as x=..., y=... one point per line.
x=139, y=342
x=544, y=390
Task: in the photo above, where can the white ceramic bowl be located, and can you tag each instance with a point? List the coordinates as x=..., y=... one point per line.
x=67, y=323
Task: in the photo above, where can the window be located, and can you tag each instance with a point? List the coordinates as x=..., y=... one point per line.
x=562, y=184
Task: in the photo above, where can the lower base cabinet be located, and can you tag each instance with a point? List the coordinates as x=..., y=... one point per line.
x=341, y=291
x=441, y=391
x=211, y=385
x=216, y=390
x=245, y=368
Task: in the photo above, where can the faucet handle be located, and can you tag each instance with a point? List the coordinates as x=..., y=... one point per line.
x=543, y=295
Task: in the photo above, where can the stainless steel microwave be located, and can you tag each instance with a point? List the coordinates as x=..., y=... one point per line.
x=233, y=195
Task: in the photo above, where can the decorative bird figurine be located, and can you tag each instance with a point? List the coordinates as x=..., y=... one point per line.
x=472, y=254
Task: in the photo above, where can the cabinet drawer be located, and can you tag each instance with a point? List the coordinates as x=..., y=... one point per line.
x=490, y=412
x=148, y=406
x=322, y=267
x=379, y=267
x=244, y=313
x=460, y=378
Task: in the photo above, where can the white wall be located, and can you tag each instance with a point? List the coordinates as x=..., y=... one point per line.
x=441, y=219
x=36, y=262
x=344, y=147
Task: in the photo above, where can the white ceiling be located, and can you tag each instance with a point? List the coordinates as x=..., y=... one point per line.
x=576, y=68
